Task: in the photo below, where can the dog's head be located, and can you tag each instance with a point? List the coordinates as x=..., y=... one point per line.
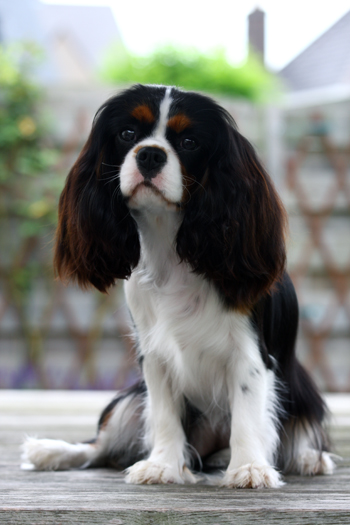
x=158, y=147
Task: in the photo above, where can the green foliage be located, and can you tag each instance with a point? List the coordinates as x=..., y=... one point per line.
x=190, y=69
x=29, y=185
x=27, y=180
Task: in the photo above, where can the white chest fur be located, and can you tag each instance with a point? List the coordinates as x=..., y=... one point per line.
x=179, y=318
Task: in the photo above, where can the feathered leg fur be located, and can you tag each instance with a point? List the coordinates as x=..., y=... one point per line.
x=286, y=425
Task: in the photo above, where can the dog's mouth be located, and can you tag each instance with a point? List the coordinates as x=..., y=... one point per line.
x=149, y=185
x=145, y=191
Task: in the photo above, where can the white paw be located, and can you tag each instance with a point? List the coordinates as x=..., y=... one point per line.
x=148, y=472
x=252, y=475
x=52, y=454
x=312, y=462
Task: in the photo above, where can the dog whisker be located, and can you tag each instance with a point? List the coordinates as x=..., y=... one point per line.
x=110, y=165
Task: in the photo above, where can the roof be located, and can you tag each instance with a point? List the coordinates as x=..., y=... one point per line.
x=73, y=36
x=89, y=29
x=326, y=62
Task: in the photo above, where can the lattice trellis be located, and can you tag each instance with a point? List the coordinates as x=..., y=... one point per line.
x=106, y=315
x=320, y=331
x=34, y=333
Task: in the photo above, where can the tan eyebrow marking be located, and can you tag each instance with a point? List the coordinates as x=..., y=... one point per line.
x=143, y=113
x=179, y=122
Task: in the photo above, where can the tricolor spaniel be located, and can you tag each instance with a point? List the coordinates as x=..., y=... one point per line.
x=168, y=195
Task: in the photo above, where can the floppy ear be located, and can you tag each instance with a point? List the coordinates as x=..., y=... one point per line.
x=233, y=227
x=96, y=240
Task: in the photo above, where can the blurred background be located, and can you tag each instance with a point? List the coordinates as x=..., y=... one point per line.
x=281, y=69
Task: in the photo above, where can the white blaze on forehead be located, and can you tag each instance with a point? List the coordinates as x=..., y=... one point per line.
x=163, y=113
x=169, y=180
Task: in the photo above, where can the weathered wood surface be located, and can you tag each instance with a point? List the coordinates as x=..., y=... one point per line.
x=100, y=496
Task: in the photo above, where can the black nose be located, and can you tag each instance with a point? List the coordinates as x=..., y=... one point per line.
x=150, y=161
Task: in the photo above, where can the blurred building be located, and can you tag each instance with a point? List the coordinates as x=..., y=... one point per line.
x=303, y=138
x=256, y=33
x=74, y=38
x=322, y=68
x=313, y=141
x=319, y=78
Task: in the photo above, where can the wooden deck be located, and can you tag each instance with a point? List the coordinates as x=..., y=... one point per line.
x=101, y=497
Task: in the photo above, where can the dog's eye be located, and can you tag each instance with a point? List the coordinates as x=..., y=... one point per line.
x=189, y=144
x=128, y=135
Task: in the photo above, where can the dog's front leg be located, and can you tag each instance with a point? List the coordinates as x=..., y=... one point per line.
x=164, y=432
x=254, y=436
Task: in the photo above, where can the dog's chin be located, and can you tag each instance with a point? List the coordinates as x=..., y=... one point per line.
x=147, y=196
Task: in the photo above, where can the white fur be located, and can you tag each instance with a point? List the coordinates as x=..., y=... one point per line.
x=54, y=454
x=252, y=475
x=151, y=472
x=302, y=455
x=163, y=113
x=192, y=346
x=311, y=462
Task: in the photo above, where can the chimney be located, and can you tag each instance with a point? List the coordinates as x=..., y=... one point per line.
x=256, y=33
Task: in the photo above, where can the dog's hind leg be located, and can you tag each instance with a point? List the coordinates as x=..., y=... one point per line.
x=304, y=449
x=118, y=443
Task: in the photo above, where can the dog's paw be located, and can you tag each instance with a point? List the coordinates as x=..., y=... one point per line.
x=312, y=462
x=53, y=454
x=252, y=475
x=149, y=472
x=40, y=454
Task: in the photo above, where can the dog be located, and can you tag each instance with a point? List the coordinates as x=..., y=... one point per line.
x=169, y=196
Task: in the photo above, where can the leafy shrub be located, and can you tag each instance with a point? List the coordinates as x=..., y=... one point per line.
x=190, y=69
x=29, y=185
x=27, y=181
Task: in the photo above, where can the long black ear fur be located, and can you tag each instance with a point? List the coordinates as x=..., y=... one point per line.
x=97, y=240
x=233, y=228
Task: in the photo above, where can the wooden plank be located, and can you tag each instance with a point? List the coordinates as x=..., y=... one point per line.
x=24, y=517
x=101, y=496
